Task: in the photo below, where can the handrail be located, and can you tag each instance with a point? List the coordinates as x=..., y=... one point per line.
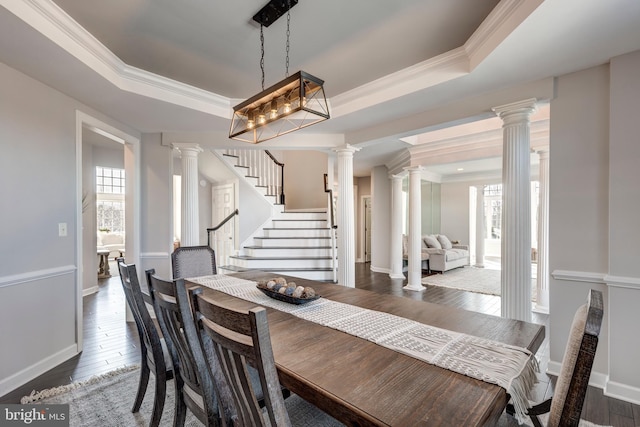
x=333, y=229
x=281, y=174
x=330, y=191
x=217, y=227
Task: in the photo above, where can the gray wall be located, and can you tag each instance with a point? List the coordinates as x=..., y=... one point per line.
x=37, y=268
x=304, y=183
x=381, y=219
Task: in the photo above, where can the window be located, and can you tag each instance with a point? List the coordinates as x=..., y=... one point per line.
x=110, y=185
x=109, y=181
x=493, y=209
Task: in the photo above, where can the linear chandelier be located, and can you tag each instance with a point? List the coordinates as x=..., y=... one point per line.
x=294, y=103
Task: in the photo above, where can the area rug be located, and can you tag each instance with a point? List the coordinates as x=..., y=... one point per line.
x=106, y=401
x=471, y=279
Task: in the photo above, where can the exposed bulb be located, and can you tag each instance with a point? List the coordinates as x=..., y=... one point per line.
x=274, y=109
x=262, y=119
x=287, y=107
x=250, y=124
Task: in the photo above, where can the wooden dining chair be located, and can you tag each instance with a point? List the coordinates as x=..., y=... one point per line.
x=193, y=261
x=241, y=341
x=154, y=353
x=195, y=386
x=565, y=407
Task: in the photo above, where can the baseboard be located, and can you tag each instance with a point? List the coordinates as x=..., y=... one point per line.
x=380, y=270
x=597, y=379
x=29, y=373
x=89, y=291
x=396, y=276
x=623, y=392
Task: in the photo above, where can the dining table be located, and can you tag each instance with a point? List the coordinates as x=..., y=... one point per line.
x=362, y=383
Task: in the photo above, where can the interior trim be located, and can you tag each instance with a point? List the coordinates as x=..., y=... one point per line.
x=32, y=276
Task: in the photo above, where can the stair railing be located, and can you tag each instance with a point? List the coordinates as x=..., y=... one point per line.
x=222, y=250
x=265, y=167
x=333, y=227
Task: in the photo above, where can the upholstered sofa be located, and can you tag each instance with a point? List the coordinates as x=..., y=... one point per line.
x=424, y=255
x=114, y=242
x=443, y=254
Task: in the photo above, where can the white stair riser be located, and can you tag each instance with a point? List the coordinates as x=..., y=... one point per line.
x=299, y=224
x=303, y=215
x=281, y=263
x=287, y=252
x=278, y=243
x=311, y=275
x=314, y=232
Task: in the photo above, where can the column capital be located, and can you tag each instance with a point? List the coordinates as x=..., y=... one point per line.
x=187, y=147
x=346, y=149
x=396, y=177
x=414, y=169
x=516, y=112
x=543, y=154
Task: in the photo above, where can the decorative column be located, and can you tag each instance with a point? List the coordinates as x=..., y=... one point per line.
x=516, y=210
x=542, y=283
x=480, y=226
x=190, y=229
x=346, y=226
x=396, y=227
x=414, y=282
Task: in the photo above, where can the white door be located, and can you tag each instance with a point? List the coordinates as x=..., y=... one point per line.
x=367, y=229
x=223, y=239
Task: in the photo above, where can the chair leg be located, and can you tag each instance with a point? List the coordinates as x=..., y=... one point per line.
x=158, y=400
x=180, y=407
x=142, y=386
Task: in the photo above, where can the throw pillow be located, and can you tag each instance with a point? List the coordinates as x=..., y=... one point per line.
x=432, y=242
x=444, y=241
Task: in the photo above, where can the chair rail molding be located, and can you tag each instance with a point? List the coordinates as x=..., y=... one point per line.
x=33, y=276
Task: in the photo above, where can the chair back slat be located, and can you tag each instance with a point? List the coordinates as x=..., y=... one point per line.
x=241, y=340
x=571, y=388
x=144, y=322
x=174, y=317
x=193, y=261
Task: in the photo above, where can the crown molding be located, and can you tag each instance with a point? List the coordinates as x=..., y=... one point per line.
x=433, y=71
x=501, y=22
x=52, y=22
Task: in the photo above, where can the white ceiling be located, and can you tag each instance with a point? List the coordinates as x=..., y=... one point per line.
x=392, y=69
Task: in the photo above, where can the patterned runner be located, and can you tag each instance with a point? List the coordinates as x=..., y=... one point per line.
x=513, y=368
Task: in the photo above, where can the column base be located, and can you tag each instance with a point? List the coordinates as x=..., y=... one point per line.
x=415, y=288
x=479, y=266
x=540, y=309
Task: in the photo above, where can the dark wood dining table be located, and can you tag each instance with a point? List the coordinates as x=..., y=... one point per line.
x=364, y=384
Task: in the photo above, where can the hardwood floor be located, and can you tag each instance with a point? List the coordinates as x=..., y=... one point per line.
x=110, y=342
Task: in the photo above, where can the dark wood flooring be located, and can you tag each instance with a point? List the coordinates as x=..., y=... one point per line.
x=110, y=342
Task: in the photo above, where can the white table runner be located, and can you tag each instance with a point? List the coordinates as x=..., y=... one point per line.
x=510, y=367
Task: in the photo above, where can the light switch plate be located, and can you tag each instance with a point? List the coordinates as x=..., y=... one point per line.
x=62, y=229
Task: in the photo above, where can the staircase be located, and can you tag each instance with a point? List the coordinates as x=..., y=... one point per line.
x=294, y=243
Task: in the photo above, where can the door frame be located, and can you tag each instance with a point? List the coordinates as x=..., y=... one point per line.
x=132, y=202
x=363, y=230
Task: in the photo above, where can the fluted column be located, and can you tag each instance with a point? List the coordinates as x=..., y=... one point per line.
x=190, y=228
x=396, y=227
x=346, y=226
x=480, y=226
x=516, y=210
x=542, y=283
x=414, y=282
